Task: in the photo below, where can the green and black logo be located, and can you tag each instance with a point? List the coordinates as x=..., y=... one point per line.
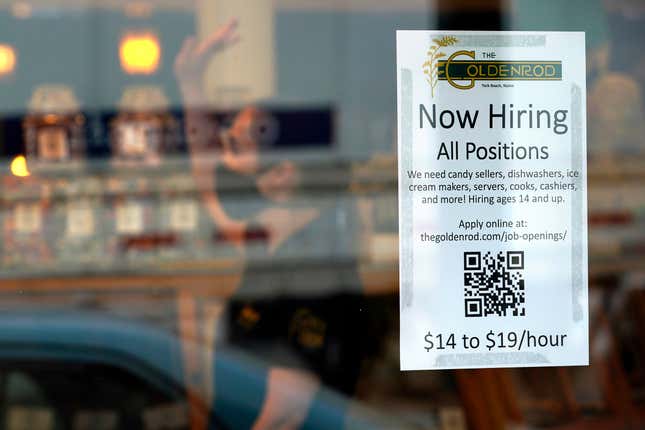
x=462, y=70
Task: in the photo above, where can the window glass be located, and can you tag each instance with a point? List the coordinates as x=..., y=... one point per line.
x=199, y=222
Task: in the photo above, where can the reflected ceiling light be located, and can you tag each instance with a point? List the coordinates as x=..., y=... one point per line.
x=7, y=60
x=140, y=53
x=19, y=167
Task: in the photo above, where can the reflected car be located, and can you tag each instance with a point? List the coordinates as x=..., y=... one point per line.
x=86, y=371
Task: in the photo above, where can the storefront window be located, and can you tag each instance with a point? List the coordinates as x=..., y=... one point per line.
x=200, y=222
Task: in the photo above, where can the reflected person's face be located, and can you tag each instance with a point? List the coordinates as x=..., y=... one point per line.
x=244, y=154
x=251, y=125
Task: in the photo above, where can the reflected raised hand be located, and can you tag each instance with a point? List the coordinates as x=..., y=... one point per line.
x=194, y=56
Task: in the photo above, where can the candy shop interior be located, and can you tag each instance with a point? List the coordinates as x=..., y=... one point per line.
x=199, y=219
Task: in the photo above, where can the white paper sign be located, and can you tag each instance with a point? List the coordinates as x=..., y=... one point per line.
x=129, y=218
x=492, y=199
x=183, y=215
x=28, y=217
x=80, y=219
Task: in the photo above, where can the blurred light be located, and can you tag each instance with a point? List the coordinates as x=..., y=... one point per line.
x=19, y=166
x=7, y=60
x=140, y=54
x=21, y=10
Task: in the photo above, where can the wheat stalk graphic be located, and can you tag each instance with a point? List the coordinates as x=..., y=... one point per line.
x=430, y=68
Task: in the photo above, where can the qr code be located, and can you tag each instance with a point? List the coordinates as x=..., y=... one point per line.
x=493, y=284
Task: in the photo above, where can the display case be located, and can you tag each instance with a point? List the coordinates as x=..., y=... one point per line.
x=54, y=128
x=144, y=131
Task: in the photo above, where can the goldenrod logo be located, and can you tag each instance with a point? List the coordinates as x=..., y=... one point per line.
x=430, y=67
x=462, y=70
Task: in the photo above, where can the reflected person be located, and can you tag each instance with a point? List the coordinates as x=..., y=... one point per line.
x=304, y=323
